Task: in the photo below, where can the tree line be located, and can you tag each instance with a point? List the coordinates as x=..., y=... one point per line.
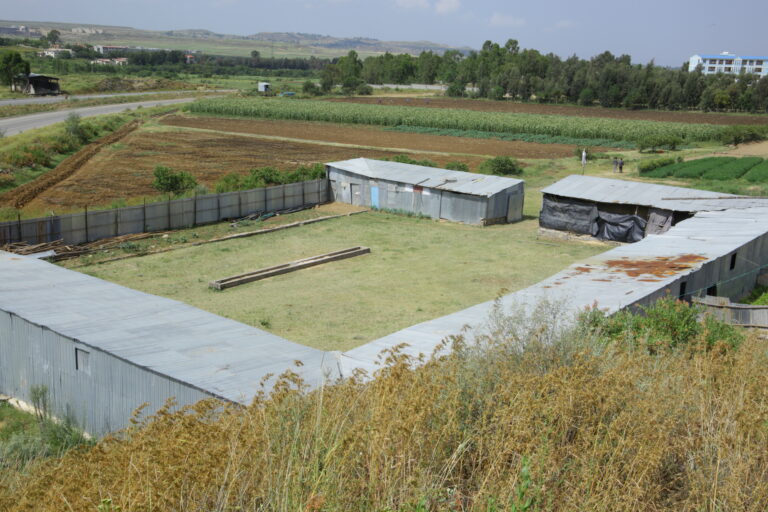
x=498, y=72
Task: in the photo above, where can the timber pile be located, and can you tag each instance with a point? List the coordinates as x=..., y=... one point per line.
x=72, y=251
x=249, y=277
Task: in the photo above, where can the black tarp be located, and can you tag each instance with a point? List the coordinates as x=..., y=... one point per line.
x=620, y=228
x=568, y=215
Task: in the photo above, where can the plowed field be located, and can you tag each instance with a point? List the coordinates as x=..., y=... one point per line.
x=209, y=148
x=564, y=110
x=376, y=137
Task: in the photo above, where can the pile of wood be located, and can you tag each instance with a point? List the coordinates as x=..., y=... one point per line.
x=72, y=251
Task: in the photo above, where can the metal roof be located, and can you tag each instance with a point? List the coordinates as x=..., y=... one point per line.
x=217, y=355
x=730, y=56
x=605, y=190
x=596, y=280
x=428, y=177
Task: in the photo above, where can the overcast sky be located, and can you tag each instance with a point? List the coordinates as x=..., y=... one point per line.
x=668, y=31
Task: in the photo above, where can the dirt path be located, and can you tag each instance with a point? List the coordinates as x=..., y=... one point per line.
x=565, y=110
x=753, y=149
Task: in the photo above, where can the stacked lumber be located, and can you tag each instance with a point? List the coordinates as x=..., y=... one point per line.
x=72, y=251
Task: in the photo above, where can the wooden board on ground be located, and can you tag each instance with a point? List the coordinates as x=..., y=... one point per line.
x=249, y=277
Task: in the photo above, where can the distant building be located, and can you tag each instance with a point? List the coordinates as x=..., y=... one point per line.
x=107, y=49
x=119, y=61
x=730, y=64
x=55, y=52
x=36, y=85
x=264, y=87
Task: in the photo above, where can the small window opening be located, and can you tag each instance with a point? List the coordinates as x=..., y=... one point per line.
x=712, y=291
x=82, y=360
x=683, y=287
x=733, y=261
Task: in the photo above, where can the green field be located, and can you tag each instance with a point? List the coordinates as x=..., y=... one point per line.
x=418, y=269
x=745, y=175
x=452, y=119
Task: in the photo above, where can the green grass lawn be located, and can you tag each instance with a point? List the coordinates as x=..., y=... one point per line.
x=418, y=269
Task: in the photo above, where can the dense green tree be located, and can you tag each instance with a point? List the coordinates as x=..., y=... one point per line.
x=11, y=65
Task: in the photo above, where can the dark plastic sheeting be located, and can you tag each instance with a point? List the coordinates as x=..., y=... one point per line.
x=568, y=215
x=620, y=228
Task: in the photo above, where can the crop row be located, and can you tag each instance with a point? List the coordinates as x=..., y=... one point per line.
x=452, y=119
x=522, y=137
x=715, y=168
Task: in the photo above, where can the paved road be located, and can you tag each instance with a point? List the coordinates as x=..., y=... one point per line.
x=13, y=125
x=38, y=100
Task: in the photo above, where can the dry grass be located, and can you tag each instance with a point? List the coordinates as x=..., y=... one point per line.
x=566, y=423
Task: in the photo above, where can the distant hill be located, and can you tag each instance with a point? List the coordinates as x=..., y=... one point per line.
x=278, y=44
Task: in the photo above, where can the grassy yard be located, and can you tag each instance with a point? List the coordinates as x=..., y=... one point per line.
x=418, y=269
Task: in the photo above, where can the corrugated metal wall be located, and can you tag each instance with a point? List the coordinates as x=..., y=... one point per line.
x=77, y=228
x=750, y=261
x=506, y=206
x=100, y=395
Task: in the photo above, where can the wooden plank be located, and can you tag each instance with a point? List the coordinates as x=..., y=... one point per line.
x=263, y=273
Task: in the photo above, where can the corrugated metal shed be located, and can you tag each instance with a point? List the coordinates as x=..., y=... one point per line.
x=605, y=190
x=219, y=356
x=428, y=177
x=697, y=250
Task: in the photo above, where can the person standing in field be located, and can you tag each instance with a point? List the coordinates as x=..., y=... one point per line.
x=583, y=160
x=615, y=164
x=621, y=164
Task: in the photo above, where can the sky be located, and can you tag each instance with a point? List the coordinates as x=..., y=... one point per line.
x=667, y=31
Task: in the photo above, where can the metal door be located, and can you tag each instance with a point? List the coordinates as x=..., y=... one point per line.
x=375, y=197
x=355, y=193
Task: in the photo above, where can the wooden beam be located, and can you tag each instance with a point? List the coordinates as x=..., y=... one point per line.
x=256, y=275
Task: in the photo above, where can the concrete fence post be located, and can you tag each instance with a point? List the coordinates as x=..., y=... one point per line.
x=86, y=224
x=18, y=225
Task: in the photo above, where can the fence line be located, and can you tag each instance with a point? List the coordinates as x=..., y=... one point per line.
x=88, y=226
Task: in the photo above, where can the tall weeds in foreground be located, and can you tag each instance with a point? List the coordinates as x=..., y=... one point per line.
x=531, y=416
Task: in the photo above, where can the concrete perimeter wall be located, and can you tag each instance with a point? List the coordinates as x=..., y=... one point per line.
x=76, y=228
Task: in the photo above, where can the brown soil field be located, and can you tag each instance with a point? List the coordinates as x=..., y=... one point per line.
x=376, y=137
x=125, y=171
x=209, y=148
x=564, y=110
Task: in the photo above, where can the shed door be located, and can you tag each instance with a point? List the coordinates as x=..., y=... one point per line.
x=375, y=197
x=355, y=193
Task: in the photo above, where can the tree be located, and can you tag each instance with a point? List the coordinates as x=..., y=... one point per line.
x=255, y=54
x=11, y=65
x=311, y=88
x=53, y=37
x=501, y=166
x=170, y=182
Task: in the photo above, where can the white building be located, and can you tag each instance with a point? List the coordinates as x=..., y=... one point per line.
x=730, y=64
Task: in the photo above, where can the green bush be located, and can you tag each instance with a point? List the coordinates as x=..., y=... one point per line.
x=647, y=166
x=457, y=166
x=738, y=134
x=405, y=159
x=170, y=182
x=501, y=166
x=364, y=90
x=311, y=88
x=654, y=141
x=666, y=324
x=229, y=183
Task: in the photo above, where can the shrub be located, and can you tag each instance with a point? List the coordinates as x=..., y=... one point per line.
x=364, y=90
x=75, y=129
x=229, y=183
x=738, y=134
x=311, y=88
x=457, y=166
x=456, y=90
x=501, y=166
x=647, y=166
x=170, y=182
x=653, y=142
x=405, y=159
